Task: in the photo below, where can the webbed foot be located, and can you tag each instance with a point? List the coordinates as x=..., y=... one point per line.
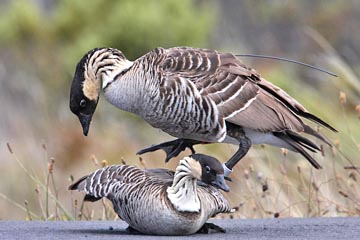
x=131, y=230
x=172, y=148
x=208, y=227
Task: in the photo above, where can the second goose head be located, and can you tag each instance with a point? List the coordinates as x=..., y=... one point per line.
x=193, y=171
x=212, y=171
x=207, y=169
x=95, y=70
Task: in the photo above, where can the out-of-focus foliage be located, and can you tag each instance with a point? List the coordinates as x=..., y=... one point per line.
x=323, y=33
x=54, y=39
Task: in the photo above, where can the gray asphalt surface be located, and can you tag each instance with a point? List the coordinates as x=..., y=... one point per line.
x=295, y=228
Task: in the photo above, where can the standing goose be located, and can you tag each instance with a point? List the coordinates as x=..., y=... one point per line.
x=159, y=201
x=197, y=96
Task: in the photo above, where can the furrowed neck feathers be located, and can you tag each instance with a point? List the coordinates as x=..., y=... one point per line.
x=183, y=192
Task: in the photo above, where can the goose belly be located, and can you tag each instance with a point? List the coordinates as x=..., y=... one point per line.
x=159, y=219
x=187, y=126
x=181, y=116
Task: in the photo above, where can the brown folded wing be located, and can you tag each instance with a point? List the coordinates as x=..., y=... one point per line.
x=242, y=97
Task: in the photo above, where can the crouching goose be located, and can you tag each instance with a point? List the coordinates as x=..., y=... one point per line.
x=159, y=201
x=197, y=96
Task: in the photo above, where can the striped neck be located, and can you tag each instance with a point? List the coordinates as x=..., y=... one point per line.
x=104, y=65
x=118, y=69
x=183, y=192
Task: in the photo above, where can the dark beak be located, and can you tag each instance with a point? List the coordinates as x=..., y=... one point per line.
x=219, y=182
x=85, y=122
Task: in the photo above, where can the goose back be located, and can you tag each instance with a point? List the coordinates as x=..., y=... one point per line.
x=140, y=198
x=192, y=93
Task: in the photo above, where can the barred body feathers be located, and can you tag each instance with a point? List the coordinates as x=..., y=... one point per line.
x=159, y=201
x=197, y=94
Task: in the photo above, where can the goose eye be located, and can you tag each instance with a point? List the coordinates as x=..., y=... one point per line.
x=83, y=103
x=207, y=169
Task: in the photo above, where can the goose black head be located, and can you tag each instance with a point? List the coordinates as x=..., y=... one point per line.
x=85, y=90
x=96, y=69
x=212, y=171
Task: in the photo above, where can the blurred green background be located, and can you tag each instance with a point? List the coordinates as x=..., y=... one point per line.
x=41, y=42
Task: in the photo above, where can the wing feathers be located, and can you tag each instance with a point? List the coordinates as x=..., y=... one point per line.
x=241, y=96
x=291, y=103
x=98, y=184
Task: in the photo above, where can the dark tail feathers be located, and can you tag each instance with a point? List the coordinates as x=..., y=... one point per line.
x=80, y=186
x=298, y=143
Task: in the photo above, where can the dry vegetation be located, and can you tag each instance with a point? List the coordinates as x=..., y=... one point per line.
x=267, y=183
x=42, y=150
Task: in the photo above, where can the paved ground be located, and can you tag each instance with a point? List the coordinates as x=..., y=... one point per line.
x=315, y=228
